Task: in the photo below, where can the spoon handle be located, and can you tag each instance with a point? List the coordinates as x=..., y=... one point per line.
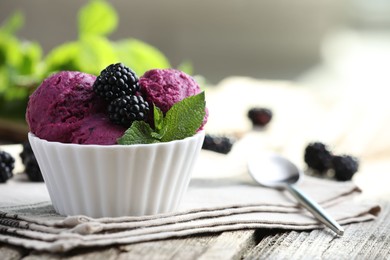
x=315, y=209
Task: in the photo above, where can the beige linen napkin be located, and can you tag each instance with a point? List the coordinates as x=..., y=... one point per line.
x=210, y=205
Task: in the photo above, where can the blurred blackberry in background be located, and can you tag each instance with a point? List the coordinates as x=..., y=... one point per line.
x=219, y=144
x=260, y=116
x=30, y=163
x=7, y=164
x=318, y=157
x=345, y=166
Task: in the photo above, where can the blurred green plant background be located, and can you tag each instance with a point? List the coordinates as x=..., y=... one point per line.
x=23, y=65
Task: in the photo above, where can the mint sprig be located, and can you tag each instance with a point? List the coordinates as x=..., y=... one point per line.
x=181, y=121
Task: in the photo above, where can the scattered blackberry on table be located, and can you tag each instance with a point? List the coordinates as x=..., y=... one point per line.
x=127, y=109
x=318, y=157
x=260, y=116
x=7, y=163
x=219, y=144
x=345, y=166
x=26, y=151
x=31, y=167
x=32, y=170
x=116, y=81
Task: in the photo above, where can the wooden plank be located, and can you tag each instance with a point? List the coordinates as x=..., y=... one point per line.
x=12, y=252
x=109, y=253
x=366, y=240
x=181, y=248
x=230, y=245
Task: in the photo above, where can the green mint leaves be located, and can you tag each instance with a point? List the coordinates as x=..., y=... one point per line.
x=181, y=121
x=97, y=18
x=139, y=132
x=184, y=118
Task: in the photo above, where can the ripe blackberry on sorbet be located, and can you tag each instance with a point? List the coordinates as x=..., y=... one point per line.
x=260, y=116
x=345, y=166
x=31, y=167
x=7, y=163
x=127, y=109
x=318, y=157
x=116, y=81
x=216, y=143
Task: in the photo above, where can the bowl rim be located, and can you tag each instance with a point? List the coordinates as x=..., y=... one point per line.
x=196, y=135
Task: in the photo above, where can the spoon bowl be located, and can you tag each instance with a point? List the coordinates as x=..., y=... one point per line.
x=275, y=171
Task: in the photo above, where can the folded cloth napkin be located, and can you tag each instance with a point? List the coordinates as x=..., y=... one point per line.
x=210, y=205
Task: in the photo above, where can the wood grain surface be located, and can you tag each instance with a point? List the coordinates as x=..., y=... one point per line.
x=367, y=240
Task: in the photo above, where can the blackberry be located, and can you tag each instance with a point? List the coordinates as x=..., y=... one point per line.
x=219, y=144
x=127, y=109
x=26, y=151
x=30, y=163
x=260, y=116
x=115, y=81
x=32, y=170
x=7, y=163
x=345, y=166
x=318, y=157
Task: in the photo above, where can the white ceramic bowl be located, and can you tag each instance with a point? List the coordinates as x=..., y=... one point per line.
x=116, y=180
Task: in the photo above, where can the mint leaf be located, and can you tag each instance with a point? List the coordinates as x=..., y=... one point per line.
x=158, y=118
x=184, y=118
x=158, y=123
x=95, y=53
x=140, y=56
x=63, y=57
x=139, y=132
x=97, y=18
x=31, y=57
x=13, y=23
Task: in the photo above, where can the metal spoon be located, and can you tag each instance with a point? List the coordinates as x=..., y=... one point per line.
x=277, y=172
